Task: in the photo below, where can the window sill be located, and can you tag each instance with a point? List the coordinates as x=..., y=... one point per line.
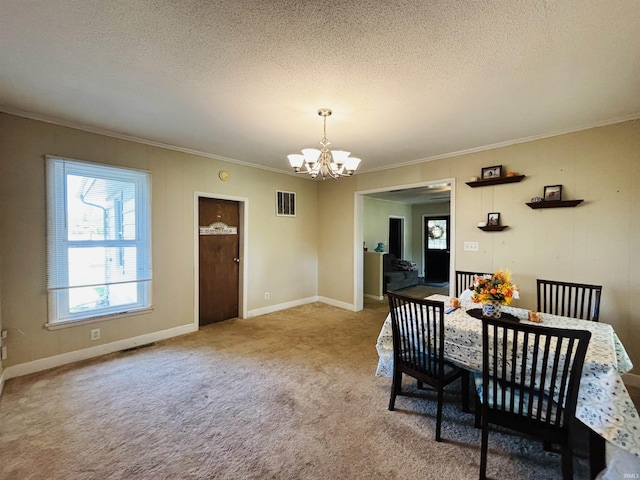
x=102, y=318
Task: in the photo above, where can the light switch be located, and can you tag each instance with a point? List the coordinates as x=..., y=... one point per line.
x=470, y=246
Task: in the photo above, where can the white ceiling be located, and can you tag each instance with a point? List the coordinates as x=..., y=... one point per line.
x=242, y=80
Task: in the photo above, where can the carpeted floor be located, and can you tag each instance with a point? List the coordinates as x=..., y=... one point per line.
x=289, y=395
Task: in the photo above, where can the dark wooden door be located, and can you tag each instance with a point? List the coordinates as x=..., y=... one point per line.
x=219, y=253
x=437, y=253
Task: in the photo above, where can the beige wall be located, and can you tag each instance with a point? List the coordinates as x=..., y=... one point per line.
x=2, y=342
x=282, y=252
x=592, y=243
x=336, y=245
x=376, y=224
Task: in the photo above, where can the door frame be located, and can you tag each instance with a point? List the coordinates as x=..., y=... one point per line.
x=243, y=241
x=358, y=234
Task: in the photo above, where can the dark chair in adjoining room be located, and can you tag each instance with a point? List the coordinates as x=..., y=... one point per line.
x=575, y=300
x=418, y=350
x=529, y=383
x=464, y=280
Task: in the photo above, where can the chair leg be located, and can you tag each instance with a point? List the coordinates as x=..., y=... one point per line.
x=483, y=450
x=396, y=384
x=549, y=447
x=478, y=410
x=567, y=462
x=439, y=413
x=465, y=392
x=597, y=452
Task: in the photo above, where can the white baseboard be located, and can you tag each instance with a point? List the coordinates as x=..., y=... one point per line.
x=375, y=297
x=336, y=303
x=631, y=379
x=297, y=303
x=84, y=354
x=281, y=306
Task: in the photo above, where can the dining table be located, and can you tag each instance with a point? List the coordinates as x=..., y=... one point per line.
x=604, y=405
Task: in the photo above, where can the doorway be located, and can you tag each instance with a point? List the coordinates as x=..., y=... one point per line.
x=218, y=259
x=437, y=254
x=434, y=191
x=396, y=236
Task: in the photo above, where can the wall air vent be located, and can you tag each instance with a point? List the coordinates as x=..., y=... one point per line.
x=285, y=204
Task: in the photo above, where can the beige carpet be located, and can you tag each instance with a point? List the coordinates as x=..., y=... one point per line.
x=289, y=395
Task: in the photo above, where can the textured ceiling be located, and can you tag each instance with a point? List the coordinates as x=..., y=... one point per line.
x=242, y=80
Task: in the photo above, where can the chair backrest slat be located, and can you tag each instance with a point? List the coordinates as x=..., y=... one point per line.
x=464, y=280
x=575, y=300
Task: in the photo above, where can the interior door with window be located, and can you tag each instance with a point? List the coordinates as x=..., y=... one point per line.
x=219, y=254
x=437, y=252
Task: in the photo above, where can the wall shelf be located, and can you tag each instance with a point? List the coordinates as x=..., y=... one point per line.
x=495, y=181
x=493, y=228
x=555, y=203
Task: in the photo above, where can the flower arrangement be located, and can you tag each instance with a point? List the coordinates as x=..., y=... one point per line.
x=496, y=287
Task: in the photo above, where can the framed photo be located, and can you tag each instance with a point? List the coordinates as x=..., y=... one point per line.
x=492, y=172
x=493, y=219
x=552, y=193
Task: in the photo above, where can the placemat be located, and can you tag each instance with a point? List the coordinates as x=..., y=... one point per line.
x=477, y=313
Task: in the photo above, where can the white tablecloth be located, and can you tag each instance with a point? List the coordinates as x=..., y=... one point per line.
x=604, y=404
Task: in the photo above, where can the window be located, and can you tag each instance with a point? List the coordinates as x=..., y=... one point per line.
x=99, y=240
x=437, y=234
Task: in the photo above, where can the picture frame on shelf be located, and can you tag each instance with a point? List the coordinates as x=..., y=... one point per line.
x=552, y=193
x=493, y=219
x=492, y=172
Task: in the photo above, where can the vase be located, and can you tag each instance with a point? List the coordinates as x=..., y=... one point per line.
x=491, y=309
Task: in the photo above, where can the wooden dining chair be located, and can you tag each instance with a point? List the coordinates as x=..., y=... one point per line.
x=529, y=383
x=464, y=280
x=417, y=327
x=575, y=300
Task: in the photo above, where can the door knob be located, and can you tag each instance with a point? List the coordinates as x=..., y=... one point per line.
x=237, y=260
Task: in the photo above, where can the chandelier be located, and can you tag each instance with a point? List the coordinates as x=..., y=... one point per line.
x=324, y=162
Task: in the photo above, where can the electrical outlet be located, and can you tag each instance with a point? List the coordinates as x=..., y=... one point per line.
x=266, y=295
x=4, y=334
x=3, y=355
x=470, y=246
x=95, y=334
